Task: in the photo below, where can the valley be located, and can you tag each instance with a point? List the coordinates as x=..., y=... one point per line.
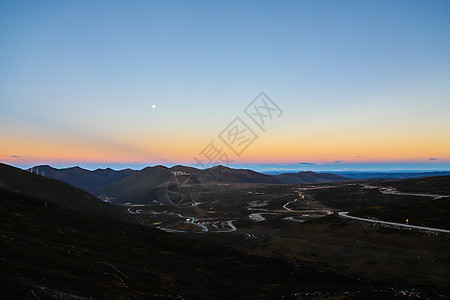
x=320, y=223
x=184, y=233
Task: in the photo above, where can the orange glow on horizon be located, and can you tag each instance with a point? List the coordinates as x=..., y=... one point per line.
x=269, y=148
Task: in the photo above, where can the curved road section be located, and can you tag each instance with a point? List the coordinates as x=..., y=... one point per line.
x=393, y=191
x=344, y=214
x=230, y=223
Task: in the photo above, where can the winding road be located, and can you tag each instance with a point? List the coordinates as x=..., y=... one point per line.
x=192, y=221
x=295, y=200
x=230, y=223
x=293, y=219
x=393, y=191
x=256, y=217
x=344, y=214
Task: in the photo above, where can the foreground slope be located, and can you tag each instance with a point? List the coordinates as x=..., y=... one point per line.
x=50, y=252
x=55, y=191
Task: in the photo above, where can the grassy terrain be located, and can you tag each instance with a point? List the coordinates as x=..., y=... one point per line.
x=401, y=259
x=437, y=185
x=367, y=251
x=47, y=250
x=355, y=196
x=429, y=213
x=298, y=248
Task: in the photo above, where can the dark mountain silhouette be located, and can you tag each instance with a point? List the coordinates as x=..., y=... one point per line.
x=55, y=191
x=149, y=183
x=158, y=184
x=143, y=186
x=152, y=184
x=90, y=181
x=229, y=175
x=222, y=174
x=310, y=177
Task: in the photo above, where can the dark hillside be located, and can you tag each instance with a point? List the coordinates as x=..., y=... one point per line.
x=47, y=250
x=55, y=191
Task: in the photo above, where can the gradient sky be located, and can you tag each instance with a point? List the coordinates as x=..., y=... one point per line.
x=361, y=83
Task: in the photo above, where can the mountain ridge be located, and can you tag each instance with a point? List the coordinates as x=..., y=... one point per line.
x=78, y=177
x=155, y=184
x=310, y=177
x=55, y=191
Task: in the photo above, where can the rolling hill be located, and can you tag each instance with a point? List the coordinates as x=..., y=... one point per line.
x=143, y=186
x=434, y=184
x=56, y=192
x=310, y=177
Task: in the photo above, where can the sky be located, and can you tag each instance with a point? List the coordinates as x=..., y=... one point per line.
x=347, y=85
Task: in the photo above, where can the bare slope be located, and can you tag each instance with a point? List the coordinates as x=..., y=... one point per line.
x=48, y=252
x=55, y=191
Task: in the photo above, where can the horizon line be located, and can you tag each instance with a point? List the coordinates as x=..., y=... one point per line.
x=261, y=168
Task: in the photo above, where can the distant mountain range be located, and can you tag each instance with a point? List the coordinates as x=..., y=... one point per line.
x=152, y=184
x=310, y=177
x=90, y=181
